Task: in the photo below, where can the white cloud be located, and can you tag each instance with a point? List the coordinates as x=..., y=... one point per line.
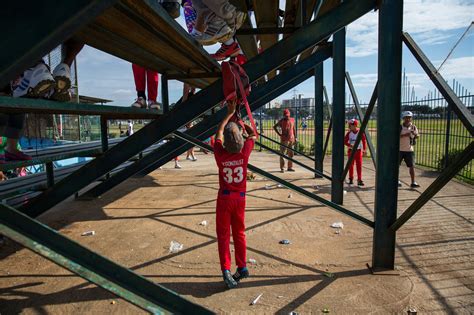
x=429, y=22
x=458, y=68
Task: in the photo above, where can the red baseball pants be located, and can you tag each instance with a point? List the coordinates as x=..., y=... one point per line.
x=146, y=77
x=358, y=162
x=230, y=212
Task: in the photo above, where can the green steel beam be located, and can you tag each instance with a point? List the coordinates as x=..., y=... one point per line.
x=361, y=116
x=328, y=135
x=455, y=166
x=27, y=42
x=459, y=108
x=165, y=94
x=29, y=105
x=288, y=147
x=93, y=267
x=338, y=115
x=318, y=115
x=285, y=183
x=293, y=160
x=363, y=127
x=197, y=105
x=388, y=132
x=260, y=96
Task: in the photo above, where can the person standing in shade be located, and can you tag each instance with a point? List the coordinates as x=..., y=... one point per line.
x=408, y=135
x=285, y=128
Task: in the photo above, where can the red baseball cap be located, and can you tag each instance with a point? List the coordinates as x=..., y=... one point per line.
x=286, y=112
x=354, y=122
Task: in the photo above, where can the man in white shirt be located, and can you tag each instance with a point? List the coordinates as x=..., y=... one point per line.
x=408, y=135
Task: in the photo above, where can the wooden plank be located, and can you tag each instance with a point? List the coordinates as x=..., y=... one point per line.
x=29, y=105
x=248, y=44
x=266, y=15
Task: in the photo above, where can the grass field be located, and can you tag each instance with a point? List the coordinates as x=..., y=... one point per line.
x=429, y=149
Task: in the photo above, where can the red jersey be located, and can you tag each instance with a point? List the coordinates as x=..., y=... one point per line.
x=287, y=126
x=233, y=166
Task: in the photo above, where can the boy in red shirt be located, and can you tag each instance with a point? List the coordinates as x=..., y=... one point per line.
x=349, y=140
x=232, y=157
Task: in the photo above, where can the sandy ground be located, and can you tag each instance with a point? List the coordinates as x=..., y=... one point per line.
x=136, y=222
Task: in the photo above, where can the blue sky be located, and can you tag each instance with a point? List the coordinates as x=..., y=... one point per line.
x=435, y=25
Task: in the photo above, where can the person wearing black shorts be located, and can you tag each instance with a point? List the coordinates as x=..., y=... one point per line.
x=408, y=135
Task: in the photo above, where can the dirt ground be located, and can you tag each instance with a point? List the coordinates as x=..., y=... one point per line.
x=320, y=269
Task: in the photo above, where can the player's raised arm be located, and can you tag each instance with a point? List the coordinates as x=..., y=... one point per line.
x=250, y=132
x=230, y=111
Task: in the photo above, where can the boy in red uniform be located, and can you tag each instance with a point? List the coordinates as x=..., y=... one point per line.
x=232, y=157
x=349, y=140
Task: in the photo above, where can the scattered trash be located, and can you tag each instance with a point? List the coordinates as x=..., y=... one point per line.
x=113, y=302
x=88, y=233
x=325, y=310
x=293, y=313
x=329, y=274
x=175, y=247
x=285, y=242
x=280, y=296
x=345, y=192
x=203, y=223
x=256, y=299
x=268, y=186
x=290, y=196
x=280, y=186
x=338, y=231
x=252, y=261
x=337, y=225
x=412, y=311
x=251, y=176
x=316, y=187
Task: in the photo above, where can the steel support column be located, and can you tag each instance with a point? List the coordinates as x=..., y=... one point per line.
x=165, y=94
x=49, y=174
x=338, y=114
x=318, y=118
x=388, y=132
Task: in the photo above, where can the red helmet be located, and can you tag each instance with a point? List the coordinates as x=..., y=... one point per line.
x=354, y=122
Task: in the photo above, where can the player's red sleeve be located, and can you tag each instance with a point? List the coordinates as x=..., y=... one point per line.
x=248, y=147
x=364, y=141
x=346, y=140
x=218, y=149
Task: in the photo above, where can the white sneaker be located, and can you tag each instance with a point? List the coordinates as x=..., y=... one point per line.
x=35, y=82
x=139, y=103
x=217, y=31
x=176, y=165
x=62, y=76
x=154, y=105
x=194, y=159
x=188, y=158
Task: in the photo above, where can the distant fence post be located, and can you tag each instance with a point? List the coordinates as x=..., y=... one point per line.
x=448, y=132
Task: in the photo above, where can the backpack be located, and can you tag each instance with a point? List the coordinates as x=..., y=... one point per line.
x=236, y=86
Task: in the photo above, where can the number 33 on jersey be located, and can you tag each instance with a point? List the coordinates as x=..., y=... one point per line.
x=235, y=175
x=233, y=166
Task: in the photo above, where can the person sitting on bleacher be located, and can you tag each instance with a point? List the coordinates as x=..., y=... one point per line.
x=11, y=126
x=217, y=21
x=39, y=82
